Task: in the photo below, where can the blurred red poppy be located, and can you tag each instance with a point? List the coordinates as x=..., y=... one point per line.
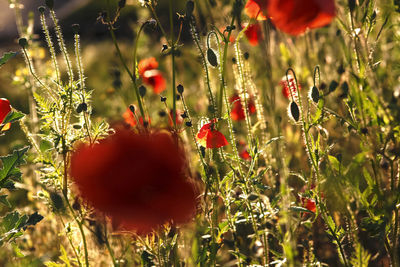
x=245, y=154
x=209, y=137
x=178, y=117
x=130, y=119
x=256, y=9
x=288, y=89
x=253, y=34
x=5, y=108
x=237, y=112
x=309, y=204
x=137, y=180
x=296, y=16
x=150, y=75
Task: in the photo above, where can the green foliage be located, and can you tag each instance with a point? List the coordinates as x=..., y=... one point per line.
x=7, y=56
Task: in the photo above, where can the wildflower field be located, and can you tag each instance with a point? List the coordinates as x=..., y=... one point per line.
x=201, y=133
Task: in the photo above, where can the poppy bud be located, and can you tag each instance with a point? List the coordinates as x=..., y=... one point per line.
x=246, y=55
x=189, y=8
x=41, y=9
x=333, y=85
x=178, y=97
x=163, y=99
x=132, y=108
x=212, y=57
x=384, y=164
x=180, y=88
x=294, y=111
x=184, y=115
x=121, y=3
x=23, y=42
x=49, y=3
x=352, y=5
x=364, y=130
x=162, y=113
x=81, y=107
x=142, y=91
x=75, y=28
x=188, y=124
x=314, y=94
x=164, y=47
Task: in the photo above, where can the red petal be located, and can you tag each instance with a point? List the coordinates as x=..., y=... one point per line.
x=245, y=155
x=216, y=139
x=5, y=108
x=155, y=79
x=147, y=64
x=296, y=16
x=253, y=34
x=256, y=9
x=129, y=118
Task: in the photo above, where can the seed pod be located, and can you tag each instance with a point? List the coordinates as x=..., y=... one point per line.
x=189, y=8
x=314, y=94
x=352, y=5
x=294, y=111
x=75, y=28
x=23, y=42
x=49, y=4
x=132, y=108
x=142, y=91
x=180, y=88
x=41, y=9
x=212, y=57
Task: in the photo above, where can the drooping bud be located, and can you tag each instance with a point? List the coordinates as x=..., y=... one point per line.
x=142, y=91
x=314, y=94
x=75, y=28
x=180, y=88
x=294, y=111
x=23, y=42
x=212, y=57
x=41, y=9
x=49, y=3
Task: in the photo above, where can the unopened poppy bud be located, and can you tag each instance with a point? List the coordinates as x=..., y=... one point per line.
x=75, y=28
x=81, y=107
x=180, y=88
x=188, y=124
x=352, y=5
x=234, y=60
x=142, y=91
x=203, y=151
x=164, y=47
x=212, y=57
x=132, y=108
x=364, y=130
x=49, y=3
x=121, y=3
x=246, y=55
x=384, y=164
x=163, y=99
x=314, y=94
x=184, y=115
x=162, y=113
x=23, y=42
x=294, y=111
x=41, y=9
x=178, y=97
x=189, y=8
x=333, y=85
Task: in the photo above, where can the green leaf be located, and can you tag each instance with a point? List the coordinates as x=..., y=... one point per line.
x=6, y=56
x=10, y=164
x=300, y=209
x=4, y=201
x=17, y=251
x=13, y=116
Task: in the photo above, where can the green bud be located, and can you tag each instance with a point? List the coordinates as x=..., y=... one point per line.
x=23, y=42
x=212, y=57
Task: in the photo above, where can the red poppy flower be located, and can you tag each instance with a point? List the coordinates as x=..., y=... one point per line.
x=209, y=137
x=178, y=118
x=253, y=34
x=137, y=180
x=291, y=87
x=5, y=108
x=237, y=112
x=150, y=75
x=256, y=9
x=130, y=119
x=245, y=154
x=296, y=16
x=309, y=204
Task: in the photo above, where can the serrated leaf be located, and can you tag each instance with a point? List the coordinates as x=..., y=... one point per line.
x=7, y=56
x=10, y=164
x=13, y=116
